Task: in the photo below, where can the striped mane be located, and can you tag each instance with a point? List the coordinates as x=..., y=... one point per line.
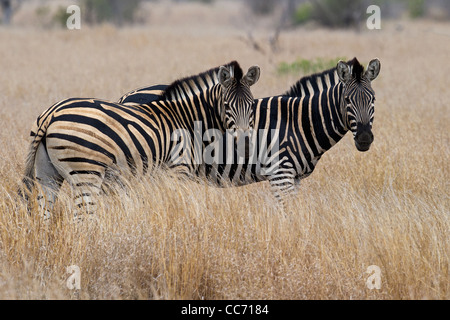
x=198, y=83
x=296, y=89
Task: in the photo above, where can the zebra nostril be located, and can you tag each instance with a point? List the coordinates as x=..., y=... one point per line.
x=365, y=137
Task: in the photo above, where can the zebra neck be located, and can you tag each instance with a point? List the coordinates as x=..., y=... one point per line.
x=321, y=116
x=337, y=107
x=200, y=109
x=216, y=107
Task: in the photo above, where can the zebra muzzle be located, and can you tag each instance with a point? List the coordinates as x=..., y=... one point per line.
x=363, y=139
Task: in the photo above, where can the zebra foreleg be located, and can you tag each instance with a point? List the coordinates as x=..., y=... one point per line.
x=184, y=171
x=283, y=187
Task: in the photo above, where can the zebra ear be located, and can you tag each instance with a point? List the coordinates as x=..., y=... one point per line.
x=373, y=69
x=344, y=71
x=225, y=76
x=252, y=75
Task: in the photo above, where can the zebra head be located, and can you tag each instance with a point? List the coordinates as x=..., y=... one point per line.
x=237, y=111
x=357, y=99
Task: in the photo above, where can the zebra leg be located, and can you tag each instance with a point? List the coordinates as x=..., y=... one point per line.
x=282, y=184
x=84, y=176
x=49, y=179
x=183, y=170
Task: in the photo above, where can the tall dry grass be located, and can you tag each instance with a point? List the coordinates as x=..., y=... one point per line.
x=166, y=238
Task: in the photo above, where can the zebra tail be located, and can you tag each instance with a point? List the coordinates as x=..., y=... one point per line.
x=29, y=174
x=38, y=132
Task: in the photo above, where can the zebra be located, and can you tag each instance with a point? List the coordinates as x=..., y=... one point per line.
x=85, y=141
x=303, y=123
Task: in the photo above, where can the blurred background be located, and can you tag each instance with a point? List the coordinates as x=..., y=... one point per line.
x=275, y=14
x=278, y=14
x=282, y=36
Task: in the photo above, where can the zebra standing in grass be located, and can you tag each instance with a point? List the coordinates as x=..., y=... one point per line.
x=305, y=122
x=85, y=141
x=309, y=119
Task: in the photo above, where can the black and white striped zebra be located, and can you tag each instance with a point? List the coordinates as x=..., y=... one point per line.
x=84, y=141
x=295, y=129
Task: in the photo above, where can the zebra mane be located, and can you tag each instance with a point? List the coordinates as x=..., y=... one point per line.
x=296, y=89
x=357, y=69
x=197, y=82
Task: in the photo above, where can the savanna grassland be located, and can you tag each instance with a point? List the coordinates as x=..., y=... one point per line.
x=166, y=238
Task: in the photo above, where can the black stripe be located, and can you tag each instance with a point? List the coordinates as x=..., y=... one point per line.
x=81, y=142
x=86, y=184
x=306, y=125
x=318, y=128
x=96, y=173
x=84, y=160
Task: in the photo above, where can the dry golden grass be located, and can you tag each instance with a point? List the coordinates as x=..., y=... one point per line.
x=170, y=239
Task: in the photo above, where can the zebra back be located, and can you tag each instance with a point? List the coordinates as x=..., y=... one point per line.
x=143, y=95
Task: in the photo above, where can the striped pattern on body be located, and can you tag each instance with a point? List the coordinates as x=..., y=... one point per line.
x=85, y=141
x=305, y=122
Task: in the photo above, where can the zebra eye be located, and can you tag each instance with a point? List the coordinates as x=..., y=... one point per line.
x=347, y=100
